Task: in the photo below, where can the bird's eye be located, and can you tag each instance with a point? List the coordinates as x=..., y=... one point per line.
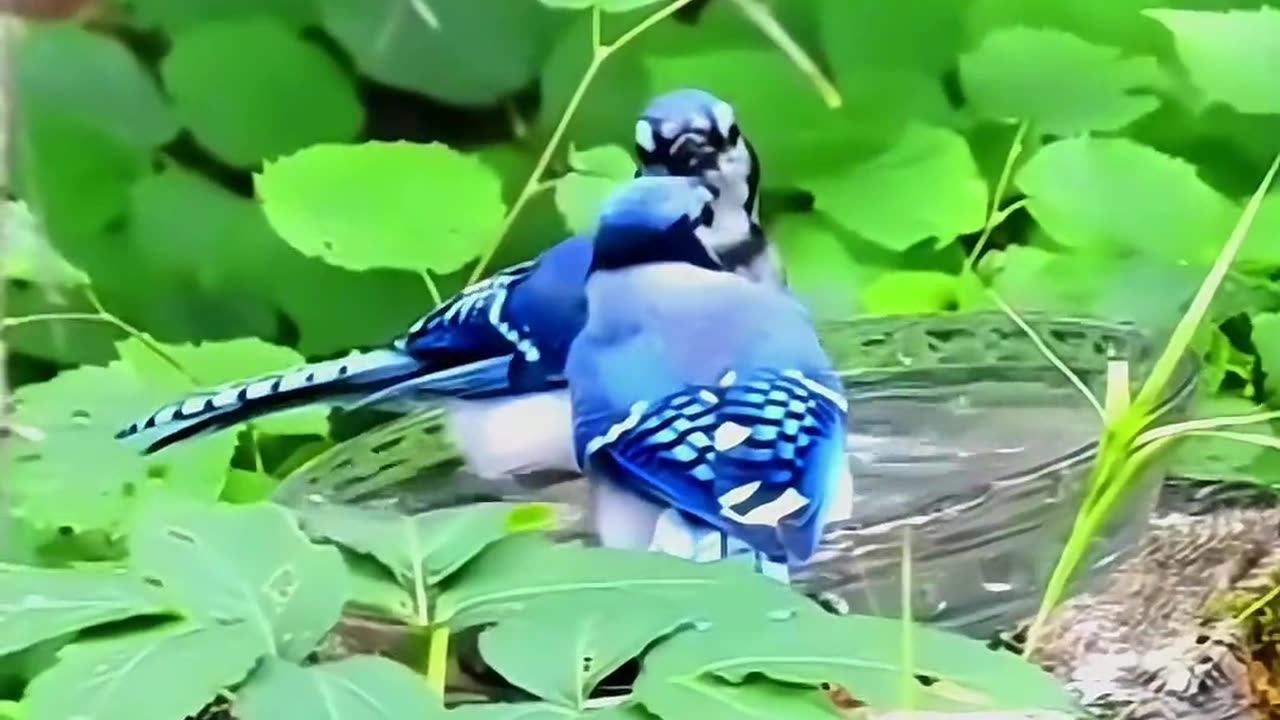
x=734, y=134
x=708, y=215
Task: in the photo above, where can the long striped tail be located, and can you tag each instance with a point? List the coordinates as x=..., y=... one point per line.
x=332, y=382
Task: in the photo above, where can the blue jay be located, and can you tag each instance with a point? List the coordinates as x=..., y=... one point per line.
x=495, y=352
x=706, y=414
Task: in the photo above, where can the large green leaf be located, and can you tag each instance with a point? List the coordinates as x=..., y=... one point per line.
x=700, y=672
x=252, y=89
x=925, y=185
x=525, y=569
x=216, y=363
x=560, y=648
x=77, y=457
x=93, y=80
x=38, y=604
x=596, y=174
x=1010, y=74
x=422, y=549
x=384, y=205
x=1221, y=458
x=159, y=674
x=1113, y=193
x=462, y=52
x=177, y=16
x=820, y=268
x=890, y=58
x=357, y=688
x=249, y=563
x=1232, y=56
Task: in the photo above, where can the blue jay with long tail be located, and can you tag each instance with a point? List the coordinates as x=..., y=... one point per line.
x=707, y=416
x=496, y=351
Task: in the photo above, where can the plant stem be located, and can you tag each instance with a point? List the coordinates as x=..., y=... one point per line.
x=1002, y=185
x=1050, y=354
x=431, y=287
x=906, y=678
x=438, y=659
x=600, y=52
x=760, y=15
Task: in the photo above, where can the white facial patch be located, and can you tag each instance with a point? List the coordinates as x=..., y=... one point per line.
x=700, y=122
x=723, y=114
x=644, y=136
x=669, y=129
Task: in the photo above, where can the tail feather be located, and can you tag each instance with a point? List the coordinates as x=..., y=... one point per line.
x=333, y=382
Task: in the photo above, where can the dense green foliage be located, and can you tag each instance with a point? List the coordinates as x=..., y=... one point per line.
x=209, y=189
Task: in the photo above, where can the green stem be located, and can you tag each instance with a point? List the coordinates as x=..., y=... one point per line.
x=907, y=679
x=760, y=15
x=995, y=216
x=438, y=659
x=599, y=53
x=110, y=319
x=431, y=287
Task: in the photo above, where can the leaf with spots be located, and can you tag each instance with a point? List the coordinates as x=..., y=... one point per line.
x=596, y=174
x=559, y=649
x=356, y=688
x=38, y=604
x=248, y=563
x=422, y=550
x=72, y=472
x=158, y=674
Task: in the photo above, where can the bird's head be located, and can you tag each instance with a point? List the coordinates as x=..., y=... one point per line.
x=692, y=132
x=655, y=220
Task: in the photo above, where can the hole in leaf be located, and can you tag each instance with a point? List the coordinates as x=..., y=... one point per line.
x=152, y=581
x=66, y=530
x=157, y=472
x=926, y=680
x=129, y=489
x=81, y=417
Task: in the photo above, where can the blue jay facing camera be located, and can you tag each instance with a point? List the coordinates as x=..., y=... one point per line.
x=705, y=413
x=495, y=352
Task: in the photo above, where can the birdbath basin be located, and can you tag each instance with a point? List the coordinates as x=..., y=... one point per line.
x=964, y=439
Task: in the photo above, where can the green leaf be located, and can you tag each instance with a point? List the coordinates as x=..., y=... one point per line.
x=384, y=205
x=889, y=59
x=471, y=54
x=911, y=292
x=93, y=80
x=424, y=548
x=596, y=174
x=1266, y=341
x=1232, y=56
x=134, y=676
x=38, y=604
x=820, y=269
x=699, y=673
x=252, y=89
x=543, y=711
x=28, y=254
x=560, y=648
x=175, y=17
x=1093, y=87
x=616, y=6
x=218, y=363
x=357, y=688
x=249, y=563
x=1136, y=198
x=77, y=456
x=926, y=185
x=524, y=569
x=374, y=589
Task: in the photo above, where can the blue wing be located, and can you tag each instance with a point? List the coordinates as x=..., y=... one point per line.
x=757, y=457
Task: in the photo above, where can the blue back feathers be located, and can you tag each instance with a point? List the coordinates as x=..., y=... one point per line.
x=654, y=219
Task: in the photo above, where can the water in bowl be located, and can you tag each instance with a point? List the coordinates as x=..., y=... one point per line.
x=964, y=441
